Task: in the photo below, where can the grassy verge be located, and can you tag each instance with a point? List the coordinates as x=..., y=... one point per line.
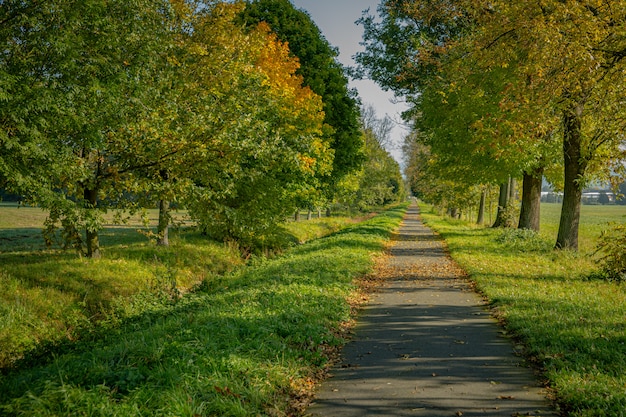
x=572, y=327
x=48, y=295
x=247, y=343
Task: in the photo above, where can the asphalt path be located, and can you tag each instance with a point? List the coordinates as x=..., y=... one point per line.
x=426, y=345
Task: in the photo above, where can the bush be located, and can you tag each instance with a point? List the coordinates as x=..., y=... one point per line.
x=612, y=248
x=525, y=240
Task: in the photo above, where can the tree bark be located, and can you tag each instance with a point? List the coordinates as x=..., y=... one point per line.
x=481, y=207
x=530, y=212
x=309, y=214
x=512, y=193
x=93, y=243
x=164, y=223
x=296, y=215
x=574, y=171
x=502, y=205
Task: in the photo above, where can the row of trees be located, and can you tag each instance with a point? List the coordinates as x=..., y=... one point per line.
x=212, y=105
x=500, y=90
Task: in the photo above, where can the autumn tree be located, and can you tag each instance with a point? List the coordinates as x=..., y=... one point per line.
x=322, y=73
x=259, y=143
x=570, y=56
x=565, y=64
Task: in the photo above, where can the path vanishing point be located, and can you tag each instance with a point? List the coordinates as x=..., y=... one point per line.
x=426, y=345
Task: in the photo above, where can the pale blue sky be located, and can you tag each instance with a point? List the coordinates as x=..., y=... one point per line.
x=336, y=18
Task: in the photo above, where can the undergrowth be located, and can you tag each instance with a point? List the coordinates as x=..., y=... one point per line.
x=523, y=240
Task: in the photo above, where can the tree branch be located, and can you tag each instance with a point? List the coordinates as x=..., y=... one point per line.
x=502, y=35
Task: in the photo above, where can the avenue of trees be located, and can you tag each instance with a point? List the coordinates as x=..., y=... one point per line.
x=237, y=111
x=501, y=91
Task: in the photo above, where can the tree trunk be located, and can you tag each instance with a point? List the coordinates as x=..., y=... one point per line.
x=490, y=204
x=529, y=216
x=93, y=243
x=574, y=171
x=454, y=212
x=296, y=216
x=502, y=205
x=309, y=215
x=512, y=193
x=328, y=212
x=481, y=207
x=164, y=223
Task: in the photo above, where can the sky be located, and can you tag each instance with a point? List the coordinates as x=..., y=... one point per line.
x=336, y=19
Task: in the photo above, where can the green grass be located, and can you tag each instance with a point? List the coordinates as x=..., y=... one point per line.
x=572, y=327
x=593, y=220
x=243, y=343
x=49, y=295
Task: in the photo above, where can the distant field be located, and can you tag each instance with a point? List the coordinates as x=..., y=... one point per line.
x=21, y=227
x=13, y=216
x=593, y=219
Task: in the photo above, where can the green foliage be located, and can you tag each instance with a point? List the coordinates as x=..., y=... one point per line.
x=379, y=182
x=612, y=247
x=238, y=346
x=86, y=67
x=322, y=73
x=523, y=240
x=128, y=103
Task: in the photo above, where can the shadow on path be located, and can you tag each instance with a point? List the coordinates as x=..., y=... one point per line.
x=426, y=346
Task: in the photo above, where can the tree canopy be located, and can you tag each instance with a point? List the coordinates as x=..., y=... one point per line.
x=507, y=84
x=125, y=103
x=321, y=72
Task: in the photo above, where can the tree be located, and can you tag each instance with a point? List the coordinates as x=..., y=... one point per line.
x=260, y=148
x=86, y=65
x=322, y=73
x=570, y=56
x=565, y=65
x=380, y=181
x=456, y=112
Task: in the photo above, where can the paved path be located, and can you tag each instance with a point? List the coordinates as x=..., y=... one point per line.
x=426, y=346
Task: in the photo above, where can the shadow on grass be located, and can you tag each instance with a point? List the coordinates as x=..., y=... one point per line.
x=156, y=354
x=22, y=239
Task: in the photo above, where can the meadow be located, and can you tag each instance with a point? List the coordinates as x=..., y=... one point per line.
x=188, y=330
x=569, y=325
